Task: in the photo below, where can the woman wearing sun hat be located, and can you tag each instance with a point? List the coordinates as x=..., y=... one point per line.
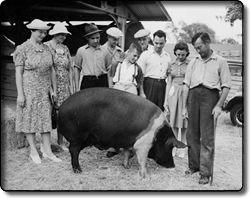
x=34, y=77
x=62, y=64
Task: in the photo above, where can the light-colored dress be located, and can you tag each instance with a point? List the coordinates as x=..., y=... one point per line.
x=62, y=64
x=175, y=98
x=35, y=116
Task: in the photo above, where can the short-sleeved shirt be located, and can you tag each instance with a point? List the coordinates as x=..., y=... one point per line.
x=128, y=74
x=154, y=65
x=116, y=55
x=93, y=62
x=213, y=73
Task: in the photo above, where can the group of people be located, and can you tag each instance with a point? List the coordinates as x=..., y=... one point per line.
x=191, y=91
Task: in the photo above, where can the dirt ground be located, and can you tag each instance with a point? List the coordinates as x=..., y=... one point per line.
x=102, y=173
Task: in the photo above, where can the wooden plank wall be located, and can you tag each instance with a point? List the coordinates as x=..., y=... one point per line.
x=8, y=79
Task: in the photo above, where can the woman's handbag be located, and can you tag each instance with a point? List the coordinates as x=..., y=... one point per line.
x=54, y=110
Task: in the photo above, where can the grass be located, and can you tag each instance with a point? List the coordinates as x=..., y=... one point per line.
x=102, y=173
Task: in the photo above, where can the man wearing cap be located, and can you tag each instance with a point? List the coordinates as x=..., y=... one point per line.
x=142, y=37
x=154, y=63
x=117, y=54
x=92, y=61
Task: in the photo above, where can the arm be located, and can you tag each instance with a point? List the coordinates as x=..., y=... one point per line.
x=169, y=83
x=71, y=81
x=53, y=82
x=218, y=107
x=141, y=90
x=19, y=85
x=77, y=77
x=185, y=91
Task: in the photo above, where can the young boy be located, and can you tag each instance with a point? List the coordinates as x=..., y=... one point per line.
x=127, y=74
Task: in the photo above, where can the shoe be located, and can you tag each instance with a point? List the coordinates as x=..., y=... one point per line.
x=204, y=180
x=53, y=158
x=64, y=148
x=111, y=153
x=36, y=159
x=190, y=171
x=181, y=153
x=174, y=151
x=41, y=148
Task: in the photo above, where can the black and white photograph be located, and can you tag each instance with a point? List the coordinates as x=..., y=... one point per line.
x=123, y=96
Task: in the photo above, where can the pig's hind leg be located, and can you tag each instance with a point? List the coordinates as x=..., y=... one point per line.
x=74, y=149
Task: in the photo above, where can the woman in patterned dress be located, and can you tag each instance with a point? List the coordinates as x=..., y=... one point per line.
x=173, y=102
x=34, y=77
x=62, y=65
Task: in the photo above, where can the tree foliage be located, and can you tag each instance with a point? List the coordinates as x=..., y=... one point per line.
x=188, y=31
x=229, y=41
x=234, y=12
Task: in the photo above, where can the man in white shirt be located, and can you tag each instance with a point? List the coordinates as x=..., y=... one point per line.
x=154, y=64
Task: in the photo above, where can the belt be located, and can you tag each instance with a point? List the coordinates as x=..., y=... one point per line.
x=156, y=79
x=95, y=77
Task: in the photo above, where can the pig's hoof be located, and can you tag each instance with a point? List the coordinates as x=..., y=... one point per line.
x=77, y=170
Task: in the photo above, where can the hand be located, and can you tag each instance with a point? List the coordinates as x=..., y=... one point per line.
x=54, y=95
x=166, y=107
x=143, y=95
x=21, y=100
x=184, y=113
x=216, y=111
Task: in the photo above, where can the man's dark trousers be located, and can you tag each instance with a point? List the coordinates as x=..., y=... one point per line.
x=200, y=132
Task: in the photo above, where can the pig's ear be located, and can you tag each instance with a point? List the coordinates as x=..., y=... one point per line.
x=178, y=144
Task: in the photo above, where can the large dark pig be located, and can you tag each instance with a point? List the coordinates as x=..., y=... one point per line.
x=104, y=118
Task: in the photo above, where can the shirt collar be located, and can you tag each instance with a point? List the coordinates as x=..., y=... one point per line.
x=213, y=56
x=186, y=61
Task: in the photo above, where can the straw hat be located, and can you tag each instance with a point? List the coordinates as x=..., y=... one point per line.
x=59, y=28
x=91, y=28
x=37, y=24
x=114, y=32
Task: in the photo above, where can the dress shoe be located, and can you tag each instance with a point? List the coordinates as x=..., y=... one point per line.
x=52, y=158
x=174, y=151
x=64, y=148
x=181, y=153
x=190, y=171
x=111, y=153
x=41, y=148
x=36, y=159
x=204, y=180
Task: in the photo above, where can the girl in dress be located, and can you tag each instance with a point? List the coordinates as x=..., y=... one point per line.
x=173, y=101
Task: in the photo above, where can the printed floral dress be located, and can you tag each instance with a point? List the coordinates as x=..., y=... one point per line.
x=62, y=61
x=35, y=116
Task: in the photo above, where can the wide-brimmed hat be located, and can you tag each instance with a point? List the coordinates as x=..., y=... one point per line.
x=91, y=28
x=37, y=24
x=59, y=28
x=114, y=32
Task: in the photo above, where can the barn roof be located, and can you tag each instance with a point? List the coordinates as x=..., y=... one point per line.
x=79, y=10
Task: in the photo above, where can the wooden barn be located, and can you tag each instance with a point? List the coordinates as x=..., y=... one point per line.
x=124, y=15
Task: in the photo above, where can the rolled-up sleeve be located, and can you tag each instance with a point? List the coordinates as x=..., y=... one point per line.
x=188, y=74
x=225, y=74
